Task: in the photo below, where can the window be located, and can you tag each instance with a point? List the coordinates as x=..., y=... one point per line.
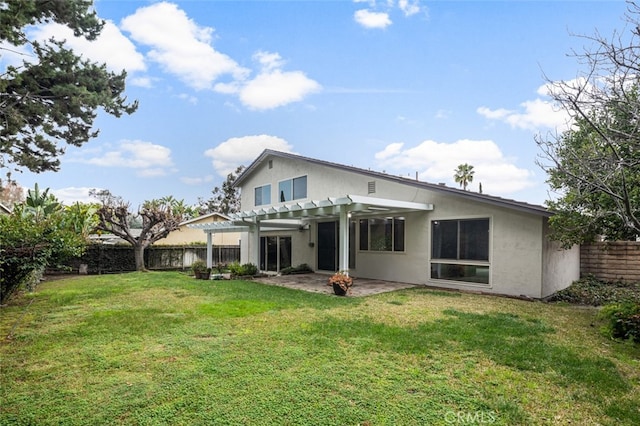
x=292, y=189
x=382, y=234
x=464, y=244
x=263, y=195
x=275, y=253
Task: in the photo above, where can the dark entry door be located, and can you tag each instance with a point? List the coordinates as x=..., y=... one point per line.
x=327, y=245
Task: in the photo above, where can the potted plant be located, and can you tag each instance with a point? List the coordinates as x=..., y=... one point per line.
x=200, y=270
x=341, y=282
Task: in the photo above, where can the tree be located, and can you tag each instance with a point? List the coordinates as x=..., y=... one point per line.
x=11, y=192
x=52, y=99
x=594, y=166
x=158, y=216
x=38, y=233
x=464, y=175
x=225, y=199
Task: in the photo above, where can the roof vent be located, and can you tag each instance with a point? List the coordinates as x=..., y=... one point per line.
x=442, y=184
x=371, y=187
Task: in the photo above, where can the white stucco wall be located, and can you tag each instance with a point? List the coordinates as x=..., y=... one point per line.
x=522, y=261
x=560, y=267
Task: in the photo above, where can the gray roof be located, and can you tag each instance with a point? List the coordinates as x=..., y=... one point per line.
x=472, y=196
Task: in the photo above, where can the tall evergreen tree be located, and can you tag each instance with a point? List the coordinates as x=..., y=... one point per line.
x=50, y=101
x=225, y=199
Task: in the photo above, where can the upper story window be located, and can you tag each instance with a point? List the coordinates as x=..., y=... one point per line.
x=262, y=195
x=292, y=189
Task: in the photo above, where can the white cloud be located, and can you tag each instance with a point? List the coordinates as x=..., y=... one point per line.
x=145, y=82
x=179, y=45
x=409, y=8
x=71, y=195
x=533, y=114
x=377, y=16
x=369, y=19
x=272, y=87
x=242, y=151
x=277, y=88
x=435, y=162
x=150, y=160
x=189, y=98
x=111, y=47
x=14, y=55
x=196, y=180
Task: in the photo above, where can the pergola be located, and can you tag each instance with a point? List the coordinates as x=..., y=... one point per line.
x=293, y=216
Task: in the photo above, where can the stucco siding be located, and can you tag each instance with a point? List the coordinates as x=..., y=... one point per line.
x=561, y=266
x=521, y=261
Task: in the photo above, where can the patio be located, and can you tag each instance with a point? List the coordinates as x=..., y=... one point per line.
x=317, y=283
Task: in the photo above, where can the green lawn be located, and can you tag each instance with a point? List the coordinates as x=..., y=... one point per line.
x=165, y=349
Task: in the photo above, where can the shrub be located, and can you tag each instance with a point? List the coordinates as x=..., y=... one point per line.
x=29, y=244
x=249, y=269
x=623, y=320
x=199, y=266
x=592, y=291
x=300, y=269
x=243, y=270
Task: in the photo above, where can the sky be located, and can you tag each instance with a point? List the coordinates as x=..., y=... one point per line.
x=396, y=86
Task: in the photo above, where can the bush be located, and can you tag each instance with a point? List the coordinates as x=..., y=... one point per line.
x=591, y=291
x=300, y=269
x=249, y=269
x=623, y=320
x=27, y=246
x=199, y=266
x=243, y=270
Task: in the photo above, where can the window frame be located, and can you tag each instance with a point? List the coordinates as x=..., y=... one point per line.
x=392, y=237
x=291, y=196
x=460, y=269
x=265, y=190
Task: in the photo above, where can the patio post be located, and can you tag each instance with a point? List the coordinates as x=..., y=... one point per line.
x=209, y=250
x=343, y=240
x=254, y=243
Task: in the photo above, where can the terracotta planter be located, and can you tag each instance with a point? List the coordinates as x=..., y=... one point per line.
x=338, y=290
x=203, y=275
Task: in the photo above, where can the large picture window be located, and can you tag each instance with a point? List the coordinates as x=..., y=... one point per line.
x=292, y=189
x=263, y=195
x=460, y=250
x=382, y=234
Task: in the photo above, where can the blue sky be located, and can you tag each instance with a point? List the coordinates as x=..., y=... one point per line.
x=395, y=86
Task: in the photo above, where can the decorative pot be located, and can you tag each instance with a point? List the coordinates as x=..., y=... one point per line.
x=203, y=275
x=339, y=290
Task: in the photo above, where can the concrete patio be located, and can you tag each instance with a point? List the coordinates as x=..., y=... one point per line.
x=317, y=283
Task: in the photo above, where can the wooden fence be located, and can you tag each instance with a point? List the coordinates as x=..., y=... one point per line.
x=101, y=259
x=611, y=261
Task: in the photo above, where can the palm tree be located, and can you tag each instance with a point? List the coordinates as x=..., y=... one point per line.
x=464, y=175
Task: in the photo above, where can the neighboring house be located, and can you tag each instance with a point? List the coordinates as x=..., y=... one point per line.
x=4, y=209
x=185, y=235
x=333, y=217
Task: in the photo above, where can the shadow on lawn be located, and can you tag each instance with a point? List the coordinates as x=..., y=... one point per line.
x=506, y=339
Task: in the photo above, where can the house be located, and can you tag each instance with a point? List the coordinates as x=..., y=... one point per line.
x=189, y=235
x=334, y=217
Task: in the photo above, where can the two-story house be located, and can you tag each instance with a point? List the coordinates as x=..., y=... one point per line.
x=333, y=217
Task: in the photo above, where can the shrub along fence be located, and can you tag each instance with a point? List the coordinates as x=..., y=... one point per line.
x=104, y=259
x=611, y=260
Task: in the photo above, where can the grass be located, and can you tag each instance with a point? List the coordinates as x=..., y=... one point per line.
x=165, y=349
